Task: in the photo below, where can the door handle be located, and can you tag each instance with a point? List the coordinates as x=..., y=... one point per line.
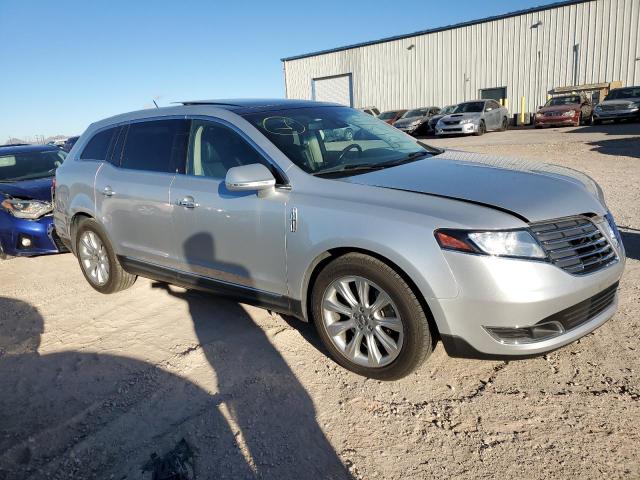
x=187, y=202
x=108, y=191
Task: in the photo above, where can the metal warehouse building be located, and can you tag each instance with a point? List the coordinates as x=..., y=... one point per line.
x=521, y=54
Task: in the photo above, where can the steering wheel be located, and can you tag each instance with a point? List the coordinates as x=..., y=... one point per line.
x=346, y=149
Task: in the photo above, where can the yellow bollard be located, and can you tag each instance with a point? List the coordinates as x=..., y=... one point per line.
x=505, y=103
x=522, y=107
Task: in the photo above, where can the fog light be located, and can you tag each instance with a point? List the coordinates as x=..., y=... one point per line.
x=25, y=242
x=520, y=335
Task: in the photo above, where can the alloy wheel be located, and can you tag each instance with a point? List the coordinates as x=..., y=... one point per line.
x=362, y=321
x=94, y=258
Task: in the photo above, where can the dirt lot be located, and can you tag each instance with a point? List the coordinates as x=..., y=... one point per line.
x=92, y=385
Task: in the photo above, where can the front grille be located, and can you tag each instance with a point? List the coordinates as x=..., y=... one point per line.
x=553, y=114
x=610, y=108
x=584, y=311
x=575, y=244
x=451, y=122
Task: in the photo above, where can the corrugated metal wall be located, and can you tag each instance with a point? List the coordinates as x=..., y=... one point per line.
x=453, y=65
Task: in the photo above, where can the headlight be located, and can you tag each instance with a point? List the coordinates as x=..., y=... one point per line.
x=614, y=233
x=30, y=209
x=539, y=114
x=598, y=107
x=634, y=106
x=466, y=120
x=511, y=243
x=570, y=113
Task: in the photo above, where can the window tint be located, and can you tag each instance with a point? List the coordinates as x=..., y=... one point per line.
x=156, y=146
x=214, y=149
x=98, y=146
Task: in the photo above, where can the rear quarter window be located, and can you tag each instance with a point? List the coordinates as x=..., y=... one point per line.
x=98, y=146
x=156, y=146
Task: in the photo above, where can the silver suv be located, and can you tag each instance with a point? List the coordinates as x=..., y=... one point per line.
x=384, y=243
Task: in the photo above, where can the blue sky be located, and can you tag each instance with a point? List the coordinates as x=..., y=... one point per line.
x=68, y=63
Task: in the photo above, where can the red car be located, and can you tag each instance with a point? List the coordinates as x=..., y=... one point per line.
x=390, y=116
x=573, y=110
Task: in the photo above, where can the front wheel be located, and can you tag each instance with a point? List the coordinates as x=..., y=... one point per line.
x=482, y=129
x=3, y=255
x=98, y=260
x=369, y=319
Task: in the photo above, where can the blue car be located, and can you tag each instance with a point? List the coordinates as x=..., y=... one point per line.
x=26, y=220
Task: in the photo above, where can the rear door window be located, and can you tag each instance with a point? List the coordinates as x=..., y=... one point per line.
x=98, y=146
x=156, y=146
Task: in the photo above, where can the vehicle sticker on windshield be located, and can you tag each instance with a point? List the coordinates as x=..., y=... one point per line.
x=283, y=126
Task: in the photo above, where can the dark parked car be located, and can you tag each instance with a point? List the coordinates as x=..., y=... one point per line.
x=390, y=116
x=433, y=121
x=416, y=121
x=621, y=103
x=26, y=220
x=373, y=111
x=69, y=143
x=575, y=109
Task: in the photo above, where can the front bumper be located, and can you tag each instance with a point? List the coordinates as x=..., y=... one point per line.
x=616, y=114
x=501, y=292
x=39, y=232
x=550, y=121
x=460, y=129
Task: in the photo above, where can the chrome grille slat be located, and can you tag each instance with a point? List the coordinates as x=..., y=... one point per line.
x=584, y=245
x=575, y=244
x=606, y=248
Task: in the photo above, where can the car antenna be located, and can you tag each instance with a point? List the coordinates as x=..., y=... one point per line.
x=154, y=102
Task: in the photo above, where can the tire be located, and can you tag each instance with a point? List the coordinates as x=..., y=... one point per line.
x=504, y=125
x=116, y=278
x=4, y=256
x=596, y=122
x=408, y=330
x=482, y=129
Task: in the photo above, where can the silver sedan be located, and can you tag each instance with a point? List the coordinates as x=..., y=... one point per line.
x=475, y=117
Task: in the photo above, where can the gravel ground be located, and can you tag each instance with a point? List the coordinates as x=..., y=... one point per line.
x=91, y=386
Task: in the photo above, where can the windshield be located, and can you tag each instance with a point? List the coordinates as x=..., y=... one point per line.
x=469, y=107
x=563, y=101
x=418, y=112
x=447, y=110
x=633, y=92
x=30, y=165
x=388, y=115
x=319, y=139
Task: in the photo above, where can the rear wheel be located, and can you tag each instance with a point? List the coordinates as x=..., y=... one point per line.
x=504, y=125
x=98, y=260
x=369, y=319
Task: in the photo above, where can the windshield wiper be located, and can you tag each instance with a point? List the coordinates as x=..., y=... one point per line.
x=369, y=167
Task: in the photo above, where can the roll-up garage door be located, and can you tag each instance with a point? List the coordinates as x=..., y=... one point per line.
x=333, y=89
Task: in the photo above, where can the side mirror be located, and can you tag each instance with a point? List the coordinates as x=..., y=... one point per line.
x=254, y=177
x=541, y=106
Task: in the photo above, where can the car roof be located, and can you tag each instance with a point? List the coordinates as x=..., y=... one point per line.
x=237, y=106
x=11, y=149
x=246, y=105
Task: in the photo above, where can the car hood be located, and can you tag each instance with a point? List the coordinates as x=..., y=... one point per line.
x=621, y=103
x=406, y=121
x=560, y=108
x=462, y=116
x=38, y=189
x=530, y=190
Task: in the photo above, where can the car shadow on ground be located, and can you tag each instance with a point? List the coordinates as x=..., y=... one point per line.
x=628, y=146
x=274, y=416
x=631, y=241
x=79, y=415
x=83, y=415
